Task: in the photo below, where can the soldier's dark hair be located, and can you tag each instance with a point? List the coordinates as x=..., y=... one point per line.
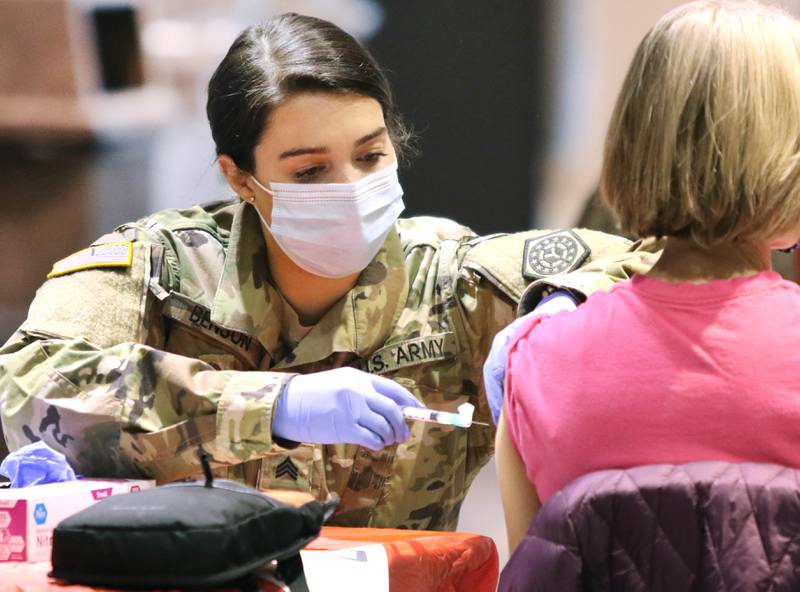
x=287, y=55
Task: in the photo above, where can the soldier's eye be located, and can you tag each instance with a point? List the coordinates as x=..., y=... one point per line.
x=308, y=173
x=372, y=158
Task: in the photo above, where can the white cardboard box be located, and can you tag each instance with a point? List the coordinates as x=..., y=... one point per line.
x=356, y=569
x=28, y=515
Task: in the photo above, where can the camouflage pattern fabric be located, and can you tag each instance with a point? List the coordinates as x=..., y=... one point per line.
x=129, y=370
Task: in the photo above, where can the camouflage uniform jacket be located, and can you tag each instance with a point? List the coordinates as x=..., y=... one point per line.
x=127, y=367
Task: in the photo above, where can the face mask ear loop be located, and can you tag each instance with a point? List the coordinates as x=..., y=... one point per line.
x=253, y=200
x=260, y=186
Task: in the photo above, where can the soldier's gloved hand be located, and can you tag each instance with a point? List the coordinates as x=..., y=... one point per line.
x=343, y=406
x=494, y=369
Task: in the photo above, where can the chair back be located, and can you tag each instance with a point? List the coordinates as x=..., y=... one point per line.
x=703, y=526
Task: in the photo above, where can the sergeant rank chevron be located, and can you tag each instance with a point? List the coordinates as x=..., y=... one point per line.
x=286, y=467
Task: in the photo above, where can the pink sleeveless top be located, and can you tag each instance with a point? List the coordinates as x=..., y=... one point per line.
x=653, y=372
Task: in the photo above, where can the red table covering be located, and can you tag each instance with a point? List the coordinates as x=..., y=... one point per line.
x=419, y=561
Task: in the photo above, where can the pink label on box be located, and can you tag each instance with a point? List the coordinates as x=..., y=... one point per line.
x=99, y=494
x=12, y=532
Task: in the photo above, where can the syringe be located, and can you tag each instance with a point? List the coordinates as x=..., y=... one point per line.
x=462, y=419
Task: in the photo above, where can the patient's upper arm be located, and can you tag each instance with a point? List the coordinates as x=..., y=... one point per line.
x=520, y=500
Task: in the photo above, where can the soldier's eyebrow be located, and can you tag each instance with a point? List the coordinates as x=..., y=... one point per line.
x=301, y=151
x=324, y=150
x=371, y=136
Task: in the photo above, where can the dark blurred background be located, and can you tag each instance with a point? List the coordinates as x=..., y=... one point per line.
x=475, y=80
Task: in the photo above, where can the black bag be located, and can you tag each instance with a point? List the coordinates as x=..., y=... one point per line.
x=186, y=535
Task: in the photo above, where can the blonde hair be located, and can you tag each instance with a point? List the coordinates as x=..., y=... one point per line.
x=704, y=141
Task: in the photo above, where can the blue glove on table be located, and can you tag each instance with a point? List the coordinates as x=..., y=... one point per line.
x=36, y=464
x=343, y=406
x=494, y=369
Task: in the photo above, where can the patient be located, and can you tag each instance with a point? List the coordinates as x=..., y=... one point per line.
x=698, y=359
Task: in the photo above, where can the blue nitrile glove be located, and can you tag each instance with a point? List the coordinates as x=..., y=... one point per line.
x=343, y=406
x=494, y=369
x=36, y=464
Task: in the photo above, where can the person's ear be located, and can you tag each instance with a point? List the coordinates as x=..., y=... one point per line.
x=236, y=177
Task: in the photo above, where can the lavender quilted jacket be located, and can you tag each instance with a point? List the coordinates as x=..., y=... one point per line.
x=704, y=526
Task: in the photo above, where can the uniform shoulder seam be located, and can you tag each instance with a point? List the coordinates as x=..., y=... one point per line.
x=430, y=231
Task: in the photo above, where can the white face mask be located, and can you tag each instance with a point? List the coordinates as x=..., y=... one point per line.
x=335, y=229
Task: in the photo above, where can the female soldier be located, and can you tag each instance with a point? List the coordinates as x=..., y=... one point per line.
x=302, y=312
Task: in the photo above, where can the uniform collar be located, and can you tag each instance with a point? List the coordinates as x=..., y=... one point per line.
x=245, y=301
x=359, y=323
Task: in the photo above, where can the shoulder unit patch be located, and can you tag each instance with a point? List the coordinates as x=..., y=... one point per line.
x=107, y=255
x=558, y=252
